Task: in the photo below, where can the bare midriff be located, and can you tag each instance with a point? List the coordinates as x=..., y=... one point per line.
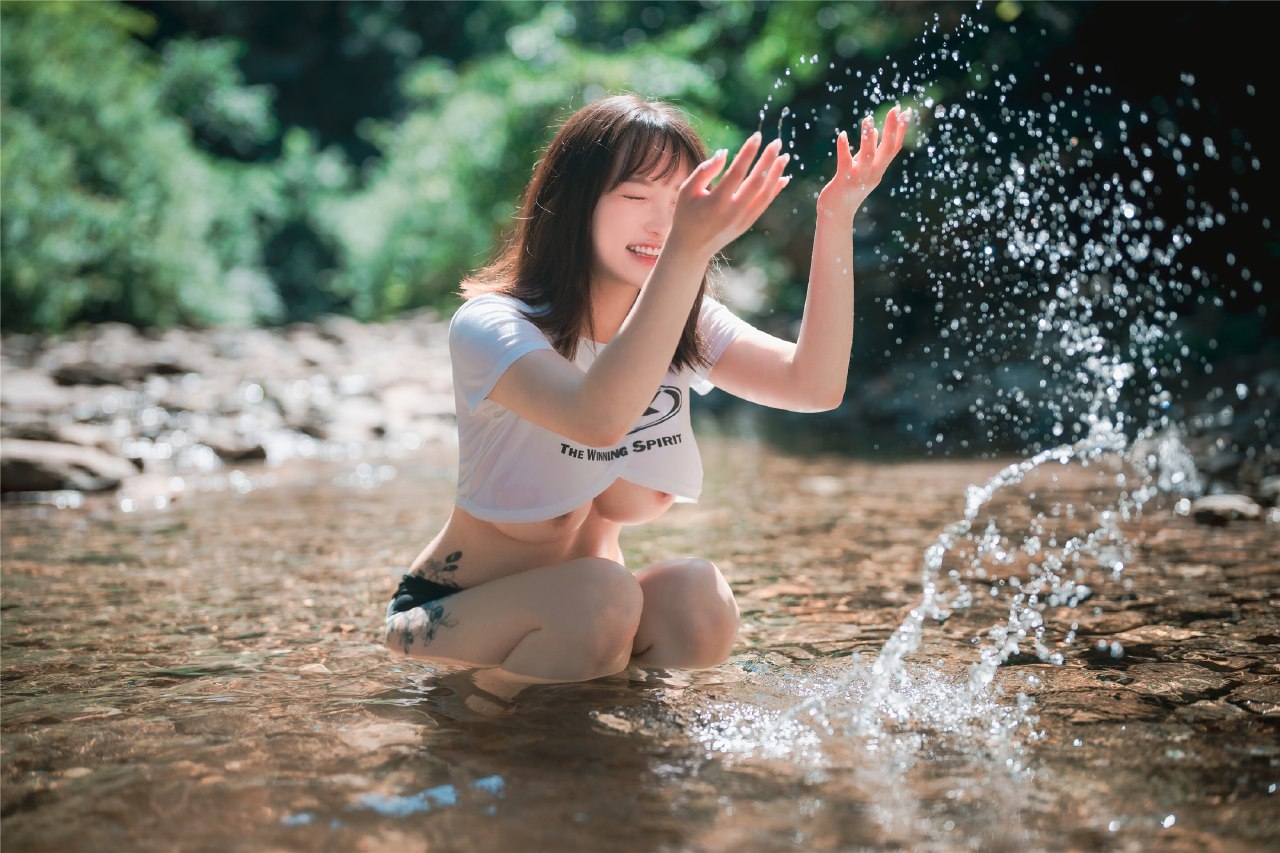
x=483, y=551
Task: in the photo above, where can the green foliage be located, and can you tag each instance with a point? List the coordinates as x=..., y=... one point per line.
x=301, y=250
x=201, y=84
x=126, y=194
x=453, y=169
x=109, y=210
x=436, y=204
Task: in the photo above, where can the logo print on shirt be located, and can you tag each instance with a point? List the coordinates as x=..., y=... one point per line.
x=665, y=406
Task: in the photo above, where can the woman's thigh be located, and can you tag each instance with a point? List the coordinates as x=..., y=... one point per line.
x=565, y=606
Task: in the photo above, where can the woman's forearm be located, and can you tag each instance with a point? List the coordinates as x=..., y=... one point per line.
x=621, y=382
x=820, y=363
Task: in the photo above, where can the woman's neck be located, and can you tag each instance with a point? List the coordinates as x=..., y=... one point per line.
x=610, y=305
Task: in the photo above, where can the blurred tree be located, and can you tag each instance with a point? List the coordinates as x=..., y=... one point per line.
x=109, y=211
x=452, y=170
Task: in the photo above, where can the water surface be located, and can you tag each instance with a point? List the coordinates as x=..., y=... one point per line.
x=210, y=676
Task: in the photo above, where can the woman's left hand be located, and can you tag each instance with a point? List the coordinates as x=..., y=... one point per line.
x=857, y=176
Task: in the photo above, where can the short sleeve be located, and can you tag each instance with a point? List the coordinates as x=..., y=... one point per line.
x=486, y=336
x=719, y=327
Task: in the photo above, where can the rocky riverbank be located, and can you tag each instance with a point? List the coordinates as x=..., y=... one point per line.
x=112, y=405
x=101, y=408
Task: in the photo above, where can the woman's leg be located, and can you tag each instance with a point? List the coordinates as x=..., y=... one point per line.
x=690, y=619
x=570, y=622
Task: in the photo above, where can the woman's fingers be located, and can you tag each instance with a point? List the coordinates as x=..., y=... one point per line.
x=738, y=170
x=895, y=125
x=844, y=154
x=891, y=126
x=756, y=179
x=775, y=182
x=904, y=118
x=699, y=180
x=716, y=214
x=867, y=151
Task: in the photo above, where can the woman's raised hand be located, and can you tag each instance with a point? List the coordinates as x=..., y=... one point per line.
x=857, y=176
x=710, y=216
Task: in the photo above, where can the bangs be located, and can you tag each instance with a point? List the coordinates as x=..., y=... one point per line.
x=653, y=152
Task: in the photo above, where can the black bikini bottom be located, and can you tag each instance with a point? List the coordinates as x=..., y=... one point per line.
x=415, y=592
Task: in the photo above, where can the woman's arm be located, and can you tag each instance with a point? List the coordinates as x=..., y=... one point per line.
x=599, y=407
x=809, y=375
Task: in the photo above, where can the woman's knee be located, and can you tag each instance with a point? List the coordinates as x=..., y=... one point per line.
x=602, y=615
x=397, y=635
x=409, y=632
x=716, y=628
x=701, y=613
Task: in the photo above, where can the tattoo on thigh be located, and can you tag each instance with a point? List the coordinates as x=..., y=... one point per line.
x=419, y=626
x=440, y=571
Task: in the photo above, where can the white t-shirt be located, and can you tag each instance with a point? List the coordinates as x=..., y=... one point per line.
x=510, y=470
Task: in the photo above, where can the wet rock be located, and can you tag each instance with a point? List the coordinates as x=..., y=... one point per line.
x=1219, y=662
x=40, y=466
x=233, y=446
x=1195, y=571
x=1262, y=699
x=1220, y=510
x=32, y=391
x=99, y=436
x=1209, y=711
x=1109, y=623
x=354, y=419
x=1269, y=491
x=1177, y=683
x=1088, y=706
x=1157, y=635
x=96, y=373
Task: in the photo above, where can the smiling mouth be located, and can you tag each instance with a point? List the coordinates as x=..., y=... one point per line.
x=645, y=251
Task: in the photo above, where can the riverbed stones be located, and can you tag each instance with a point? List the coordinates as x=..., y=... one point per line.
x=40, y=466
x=1220, y=510
x=244, y=395
x=1178, y=683
x=1209, y=711
x=1262, y=698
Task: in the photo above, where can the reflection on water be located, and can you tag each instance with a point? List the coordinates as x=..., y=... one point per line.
x=210, y=675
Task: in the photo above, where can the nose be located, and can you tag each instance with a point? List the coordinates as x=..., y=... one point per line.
x=659, y=221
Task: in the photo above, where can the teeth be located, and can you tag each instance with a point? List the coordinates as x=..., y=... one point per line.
x=647, y=251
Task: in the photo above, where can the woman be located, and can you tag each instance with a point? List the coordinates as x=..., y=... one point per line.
x=572, y=360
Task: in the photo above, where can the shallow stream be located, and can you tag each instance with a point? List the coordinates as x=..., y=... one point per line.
x=209, y=676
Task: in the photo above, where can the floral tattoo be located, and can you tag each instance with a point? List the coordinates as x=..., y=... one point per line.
x=440, y=571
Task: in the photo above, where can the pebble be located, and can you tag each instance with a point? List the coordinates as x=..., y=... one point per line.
x=1220, y=510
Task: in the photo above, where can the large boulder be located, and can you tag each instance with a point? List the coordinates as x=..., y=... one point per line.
x=42, y=466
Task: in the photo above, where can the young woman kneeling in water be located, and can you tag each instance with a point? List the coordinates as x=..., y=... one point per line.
x=573, y=357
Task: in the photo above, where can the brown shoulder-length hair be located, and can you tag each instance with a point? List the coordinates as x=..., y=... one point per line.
x=547, y=260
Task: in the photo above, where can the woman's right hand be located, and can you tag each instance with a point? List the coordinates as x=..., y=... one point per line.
x=707, y=218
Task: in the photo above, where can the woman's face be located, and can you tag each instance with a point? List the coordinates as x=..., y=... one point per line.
x=629, y=228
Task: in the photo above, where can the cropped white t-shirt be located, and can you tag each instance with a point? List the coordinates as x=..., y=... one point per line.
x=510, y=470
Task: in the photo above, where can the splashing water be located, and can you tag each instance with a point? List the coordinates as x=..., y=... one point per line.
x=1057, y=285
